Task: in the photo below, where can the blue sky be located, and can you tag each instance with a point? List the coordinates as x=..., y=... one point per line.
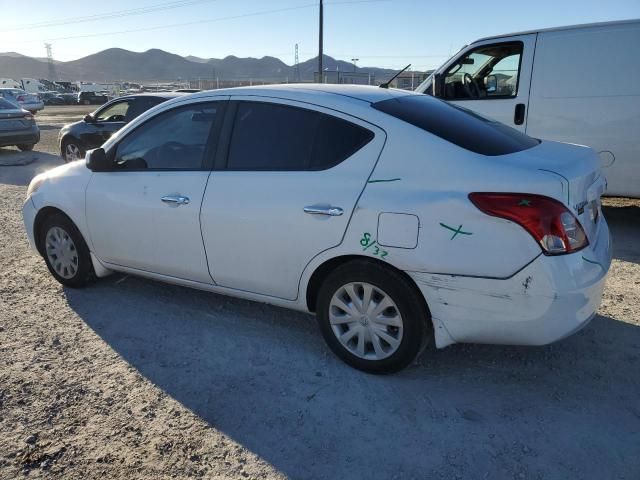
x=380, y=33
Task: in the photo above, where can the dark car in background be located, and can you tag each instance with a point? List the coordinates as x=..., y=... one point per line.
x=17, y=127
x=94, y=129
x=92, y=98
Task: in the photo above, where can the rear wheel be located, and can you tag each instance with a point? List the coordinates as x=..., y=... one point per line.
x=72, y=150
x=372, y=317
x=65, y=251
x=26, y=147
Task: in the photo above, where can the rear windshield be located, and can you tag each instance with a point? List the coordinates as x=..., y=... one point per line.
x=457, y=125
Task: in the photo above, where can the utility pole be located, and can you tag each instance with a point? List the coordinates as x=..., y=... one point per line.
x=52, y=66
x=296, y=64
x=354, y=60
x=320, y=44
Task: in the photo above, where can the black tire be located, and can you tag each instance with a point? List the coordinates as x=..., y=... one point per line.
x=84, y=273
x=25, y=147
x=71, y=141
x=416, y=319
x=87, y=102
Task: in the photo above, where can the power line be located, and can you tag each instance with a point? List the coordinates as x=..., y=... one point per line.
x=110, y=15
x=211, y=20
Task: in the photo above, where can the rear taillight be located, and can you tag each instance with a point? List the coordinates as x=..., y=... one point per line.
x=548, y=221
x=28, y=117
x=20, y=98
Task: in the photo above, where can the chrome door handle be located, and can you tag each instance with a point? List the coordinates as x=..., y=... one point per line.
x=331, y=211
x=176, y=199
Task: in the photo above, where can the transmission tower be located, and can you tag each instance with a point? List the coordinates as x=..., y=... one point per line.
x=52, y=66
x=297, y=66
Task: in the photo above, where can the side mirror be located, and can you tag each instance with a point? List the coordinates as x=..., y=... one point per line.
x=89, y=119
x=492, y=84
x=437, y=85
x=97, y=161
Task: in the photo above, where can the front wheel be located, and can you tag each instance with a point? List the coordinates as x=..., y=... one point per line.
x=72, y=151
x=372, y=317
x=65, y=251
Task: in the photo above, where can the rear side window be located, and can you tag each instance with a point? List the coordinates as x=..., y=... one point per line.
x=142, y=104
x=270, y=136
x=457, y=125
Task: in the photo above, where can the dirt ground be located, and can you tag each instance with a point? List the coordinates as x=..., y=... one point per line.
x=133, y=379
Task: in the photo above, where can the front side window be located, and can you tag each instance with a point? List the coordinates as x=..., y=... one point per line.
x=268, y=136
x=487, y=72
x=174, y=140
x=115, y=112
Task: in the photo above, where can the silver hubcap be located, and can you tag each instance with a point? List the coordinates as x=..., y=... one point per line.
x=61, y=252
x=72, y=152
x=366, y=321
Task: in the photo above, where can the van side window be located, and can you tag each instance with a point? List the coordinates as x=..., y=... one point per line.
x=487, y=72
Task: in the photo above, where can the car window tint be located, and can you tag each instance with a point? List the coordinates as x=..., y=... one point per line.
x=115, y=112
x=175, y=139
x=336, y=140
x=270, y=136
x=141, y=104
x=457, y=125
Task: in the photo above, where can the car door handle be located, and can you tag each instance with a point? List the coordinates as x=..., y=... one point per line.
x=175, y=199
x=331, y=211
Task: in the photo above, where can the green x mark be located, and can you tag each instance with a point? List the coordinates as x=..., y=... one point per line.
x=455, y=230
x=524, y=203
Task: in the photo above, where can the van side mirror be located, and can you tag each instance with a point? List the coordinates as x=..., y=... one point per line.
x=97, y=161
x=492, y=84
x=437, y=85
x=89, y=119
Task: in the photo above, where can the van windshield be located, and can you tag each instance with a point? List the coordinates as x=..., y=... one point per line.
x=457, y=125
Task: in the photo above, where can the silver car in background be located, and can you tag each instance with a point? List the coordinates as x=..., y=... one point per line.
x=28, y=101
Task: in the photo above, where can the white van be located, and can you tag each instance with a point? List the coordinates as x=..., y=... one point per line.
x=577, y=84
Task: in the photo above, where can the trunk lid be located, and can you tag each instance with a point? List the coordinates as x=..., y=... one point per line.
x=14, y=119
x=578, y=169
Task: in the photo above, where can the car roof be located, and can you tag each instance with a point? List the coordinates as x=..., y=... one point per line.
x=556, y=29
x=165, y=95
x=361, y=93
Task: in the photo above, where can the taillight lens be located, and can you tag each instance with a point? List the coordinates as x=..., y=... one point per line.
x=20, y=98
x=548, y=221
x=28, y=117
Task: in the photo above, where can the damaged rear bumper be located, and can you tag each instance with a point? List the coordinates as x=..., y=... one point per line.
x=549, y=299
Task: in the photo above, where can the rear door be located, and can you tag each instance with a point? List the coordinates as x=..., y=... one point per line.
x=492, y=77
x=283, y=191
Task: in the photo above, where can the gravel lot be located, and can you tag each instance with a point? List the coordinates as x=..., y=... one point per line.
x=135, y=379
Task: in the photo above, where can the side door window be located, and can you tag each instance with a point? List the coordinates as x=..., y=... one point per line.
x=140, y=105
x=116, y=112
x=489, y=71
x=173, y=140
x=273, y=137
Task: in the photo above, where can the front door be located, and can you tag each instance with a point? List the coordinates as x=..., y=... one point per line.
x=493, y=79
x=284, y=192
x=145, y=213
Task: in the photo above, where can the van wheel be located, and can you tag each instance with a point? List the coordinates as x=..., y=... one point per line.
x=372, y=317
x=65, y=252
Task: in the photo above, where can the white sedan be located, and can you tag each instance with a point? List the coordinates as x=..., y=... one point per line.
x=402, y=221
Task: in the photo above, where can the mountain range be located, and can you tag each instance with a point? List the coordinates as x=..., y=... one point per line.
x=116, y=64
